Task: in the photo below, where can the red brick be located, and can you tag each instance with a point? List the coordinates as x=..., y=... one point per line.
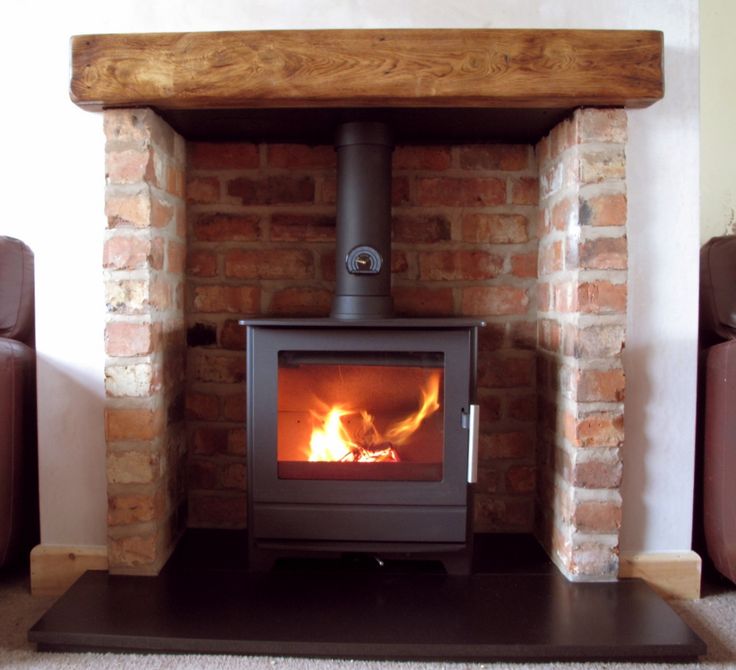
x=602, y=164
x=327, y=265
x=176, y=254
x=231, y=299
x=414, y=229
x=523, y=408
x=506, y=445
x=561, y=214
x=545, y=297
x=600, y=429
x=604, y=253
x=206, y=441
x=202, y=475
x=495, y=228
x=492, y=337
x=207, y=365
x=129, y=166
x=524, y=266
x=451, y=265
x=232, y=335
x=597, y=517
x=217, y=510
x=594, y=341
x=562, y=137
x=603, y=210
x=202, y=406
x=602, y=297
x=300, y=302
x=236, y=442
x=421, y=158
x=520, y=479
x=525, y=191
x=462, y=192
x=175, y=181
x=551, y=258
x=600, y=385
x=490, y=408
x=269, y=264
x=399, y=263
x=126, y=252
x=233, y=407
x=133, y=424
x=400, y=191
x=234, y=476
x=203, y=190
x=597, y=475
x=506, y=157
x=134, y=508
x=505, y=371
x=549, y=335
x=274, y=190
x=129, y=339
x=128, y=209
x=227, y=228
x=290, y=156
x=223, y=156
x=523, y=335
x=601, y=125
x=327, y=194
x=488, y=479
x=302, y=228
x=132, y=551
x=422, y=301
x=202, y=264
x=494, y=300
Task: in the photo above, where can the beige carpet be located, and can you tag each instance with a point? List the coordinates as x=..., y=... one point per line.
x=713, y=617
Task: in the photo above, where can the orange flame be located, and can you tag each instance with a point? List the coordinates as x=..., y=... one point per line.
x=332, y=441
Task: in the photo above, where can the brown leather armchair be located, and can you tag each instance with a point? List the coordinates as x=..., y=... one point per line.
x=718, y=365
x=18, y=460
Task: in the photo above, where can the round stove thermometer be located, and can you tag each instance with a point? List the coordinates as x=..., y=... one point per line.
x=363, y=260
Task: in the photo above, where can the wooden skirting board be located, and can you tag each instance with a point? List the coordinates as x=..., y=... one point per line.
x=673, y=575
x=54, y=568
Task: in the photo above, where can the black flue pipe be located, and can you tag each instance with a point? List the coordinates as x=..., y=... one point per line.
x=363, y=259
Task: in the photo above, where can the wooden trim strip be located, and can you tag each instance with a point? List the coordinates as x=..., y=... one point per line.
x=55, y=568
x=674, y=575
x=369, y=68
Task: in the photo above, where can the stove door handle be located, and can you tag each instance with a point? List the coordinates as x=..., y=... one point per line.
x=473, y=420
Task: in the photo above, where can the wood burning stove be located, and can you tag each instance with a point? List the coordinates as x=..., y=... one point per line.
x=361, y=427
x=361, y=437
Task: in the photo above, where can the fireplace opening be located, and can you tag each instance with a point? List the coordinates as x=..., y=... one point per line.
x=360, y=416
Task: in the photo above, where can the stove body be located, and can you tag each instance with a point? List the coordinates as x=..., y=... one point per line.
x=361, y=438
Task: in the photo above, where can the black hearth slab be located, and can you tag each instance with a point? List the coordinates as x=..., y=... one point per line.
x=421, y=617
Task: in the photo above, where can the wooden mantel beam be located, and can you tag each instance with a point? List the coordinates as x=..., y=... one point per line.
x=447, y=68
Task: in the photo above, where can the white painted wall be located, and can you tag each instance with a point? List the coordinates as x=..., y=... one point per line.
x=718, y=130
x=53, y=185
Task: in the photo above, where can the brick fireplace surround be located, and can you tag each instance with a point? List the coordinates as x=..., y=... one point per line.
x=529, y=237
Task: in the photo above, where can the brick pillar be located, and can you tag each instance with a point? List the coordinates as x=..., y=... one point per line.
x=581, y=327
x=144, y=258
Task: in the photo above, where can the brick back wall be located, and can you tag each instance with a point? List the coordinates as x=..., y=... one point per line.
x=261, y=232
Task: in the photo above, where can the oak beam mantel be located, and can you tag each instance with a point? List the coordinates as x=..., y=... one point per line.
x=435, y=69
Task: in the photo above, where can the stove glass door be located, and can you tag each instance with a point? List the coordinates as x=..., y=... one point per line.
x=360, y=416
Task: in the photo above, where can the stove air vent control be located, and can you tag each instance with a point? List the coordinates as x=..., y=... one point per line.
x=363, y=260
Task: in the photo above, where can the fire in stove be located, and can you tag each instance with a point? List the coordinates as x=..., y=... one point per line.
x=373, y=417
x=333, y=440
